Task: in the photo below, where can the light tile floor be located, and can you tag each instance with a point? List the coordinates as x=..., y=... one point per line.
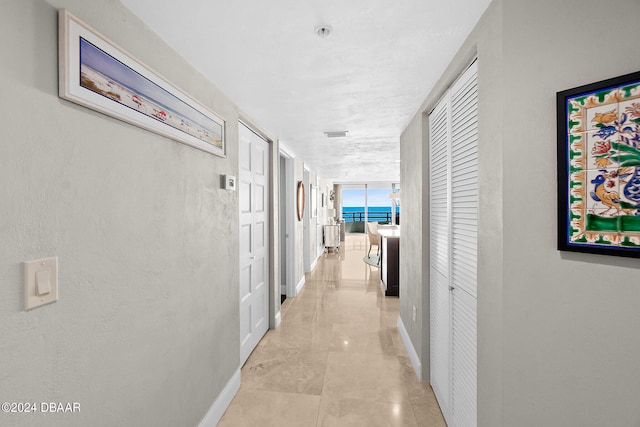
x=336, y=359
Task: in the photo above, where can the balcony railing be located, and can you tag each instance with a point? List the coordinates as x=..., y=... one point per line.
x=381, y=217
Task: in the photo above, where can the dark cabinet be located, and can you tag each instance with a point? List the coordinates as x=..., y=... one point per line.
x=390, y=261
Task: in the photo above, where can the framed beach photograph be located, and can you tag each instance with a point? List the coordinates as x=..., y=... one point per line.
x=97, y=74
x=599, y=167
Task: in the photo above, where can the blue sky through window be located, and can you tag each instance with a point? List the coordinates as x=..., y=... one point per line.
x=376, y=197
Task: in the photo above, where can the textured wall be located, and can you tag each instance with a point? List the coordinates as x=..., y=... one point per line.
x=298, y=231
x=413, y=264
x=571, y=321
x=313, y=221
x=275, y=236
x=557, y=332
x=414, y=150
x=146, y=329
x=325, y=187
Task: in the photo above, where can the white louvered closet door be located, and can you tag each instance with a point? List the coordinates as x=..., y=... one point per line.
x=457, y=321
x=464, y=247
x=439, y=170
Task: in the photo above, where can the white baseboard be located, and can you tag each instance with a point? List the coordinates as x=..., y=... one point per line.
x=314, y=263
x=222, y=402
x=300, y=285
x=413, y=355
x=278, y=319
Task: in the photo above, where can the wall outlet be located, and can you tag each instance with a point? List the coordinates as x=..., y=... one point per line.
x=415, y=313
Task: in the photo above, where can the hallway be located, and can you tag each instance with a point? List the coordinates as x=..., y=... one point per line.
x=337, y=358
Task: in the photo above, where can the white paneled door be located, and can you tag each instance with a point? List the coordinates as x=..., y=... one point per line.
x=453, y=195
x=253, y=193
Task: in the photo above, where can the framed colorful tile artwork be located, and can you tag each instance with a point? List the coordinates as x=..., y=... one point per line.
x=599, y=167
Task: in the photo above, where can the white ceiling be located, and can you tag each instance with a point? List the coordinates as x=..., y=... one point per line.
x=368, y=78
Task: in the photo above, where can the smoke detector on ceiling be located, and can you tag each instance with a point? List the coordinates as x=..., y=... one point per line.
x=323, y=31
x=336, y=134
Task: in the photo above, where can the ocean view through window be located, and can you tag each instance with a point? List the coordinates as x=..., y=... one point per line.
x=362, y=204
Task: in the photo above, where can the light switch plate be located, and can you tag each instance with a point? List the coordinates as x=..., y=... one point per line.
x=33, y=269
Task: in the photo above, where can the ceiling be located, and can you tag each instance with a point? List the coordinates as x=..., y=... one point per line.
x=368, y=77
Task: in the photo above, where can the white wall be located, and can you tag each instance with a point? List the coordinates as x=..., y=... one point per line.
x=325, y=186
x=146, y=329
x=415, y=235
x=298, y=175
x=570, y=321
x=310, y=243
x=275, y=271
x=557, y=332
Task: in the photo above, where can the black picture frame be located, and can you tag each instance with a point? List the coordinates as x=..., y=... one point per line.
x=598, y=148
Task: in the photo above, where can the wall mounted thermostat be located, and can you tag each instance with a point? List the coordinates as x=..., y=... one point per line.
x=230, y=182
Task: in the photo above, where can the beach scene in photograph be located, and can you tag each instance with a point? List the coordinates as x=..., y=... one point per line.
x=103, y=74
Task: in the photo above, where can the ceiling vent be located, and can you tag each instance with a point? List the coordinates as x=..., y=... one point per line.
x=336, y=134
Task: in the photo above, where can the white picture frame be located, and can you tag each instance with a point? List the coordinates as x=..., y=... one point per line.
x=99, y=75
